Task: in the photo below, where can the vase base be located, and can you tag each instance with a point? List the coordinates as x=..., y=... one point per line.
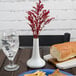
x=35, y=63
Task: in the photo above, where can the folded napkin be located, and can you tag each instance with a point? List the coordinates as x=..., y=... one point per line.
x=62, y=65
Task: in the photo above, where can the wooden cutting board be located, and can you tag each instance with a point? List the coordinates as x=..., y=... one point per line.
x=54, y=61
x=61, y=65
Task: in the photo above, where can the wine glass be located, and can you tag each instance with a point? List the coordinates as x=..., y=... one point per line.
x=10, y=45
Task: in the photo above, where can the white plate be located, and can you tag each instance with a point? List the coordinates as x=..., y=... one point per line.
x=63, y=65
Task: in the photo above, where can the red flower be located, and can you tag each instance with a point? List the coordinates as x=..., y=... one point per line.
x=38, y=18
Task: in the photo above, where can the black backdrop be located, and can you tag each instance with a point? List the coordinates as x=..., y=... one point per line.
x=44, y=40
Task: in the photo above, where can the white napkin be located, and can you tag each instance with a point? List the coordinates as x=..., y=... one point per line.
x=63, y=65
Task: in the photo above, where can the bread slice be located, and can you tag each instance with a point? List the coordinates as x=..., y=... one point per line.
x=57, y=73
x=38, y=73
x=63, y=51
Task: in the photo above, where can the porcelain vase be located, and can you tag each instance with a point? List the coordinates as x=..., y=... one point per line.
x=35, y=61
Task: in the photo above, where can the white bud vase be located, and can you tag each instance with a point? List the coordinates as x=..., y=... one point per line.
x=35, y=61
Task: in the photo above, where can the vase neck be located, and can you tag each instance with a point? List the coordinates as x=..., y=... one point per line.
x=36, y=38
x=35, y=47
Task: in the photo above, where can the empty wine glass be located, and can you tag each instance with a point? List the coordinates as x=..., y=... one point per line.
x=10, y=45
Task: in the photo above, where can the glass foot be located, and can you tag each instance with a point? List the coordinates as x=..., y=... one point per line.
x=11, y=67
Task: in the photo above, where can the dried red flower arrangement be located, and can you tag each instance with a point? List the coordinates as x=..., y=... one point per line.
x=38, y=18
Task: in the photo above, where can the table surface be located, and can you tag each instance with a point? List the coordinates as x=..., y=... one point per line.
x=21, y=58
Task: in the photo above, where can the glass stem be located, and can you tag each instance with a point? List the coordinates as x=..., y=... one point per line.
x=11, y=63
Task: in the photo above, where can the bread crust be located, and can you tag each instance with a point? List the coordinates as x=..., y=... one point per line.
x=64, y=50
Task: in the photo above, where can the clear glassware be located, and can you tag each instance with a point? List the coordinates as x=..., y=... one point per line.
x=10, y=45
